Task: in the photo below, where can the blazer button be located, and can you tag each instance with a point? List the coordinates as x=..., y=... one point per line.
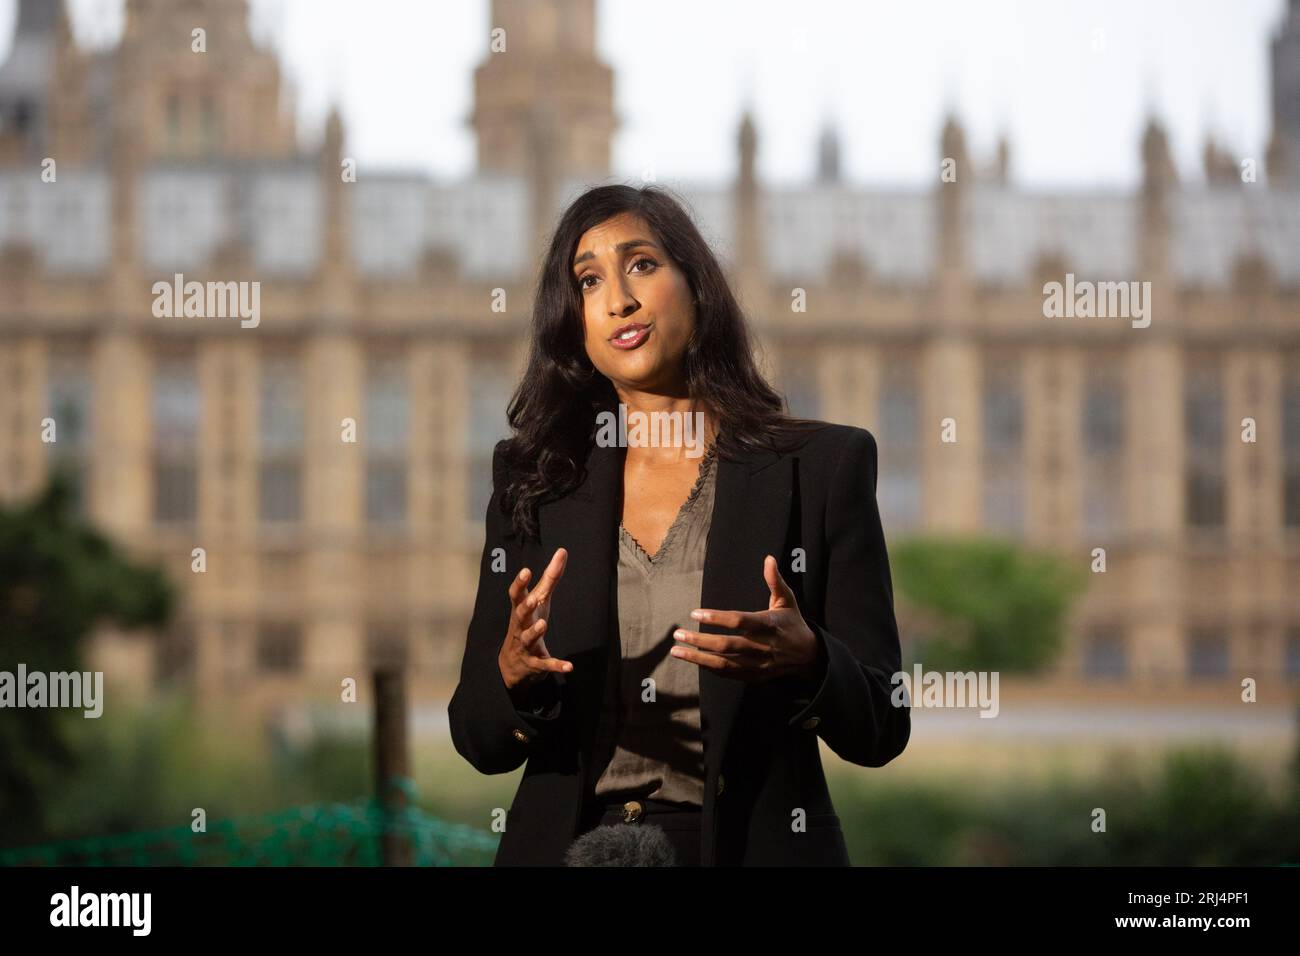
x=520, y=735
x=722, y=782
x=811, y=723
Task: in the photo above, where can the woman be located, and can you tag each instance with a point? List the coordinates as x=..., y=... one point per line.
x=631, y=710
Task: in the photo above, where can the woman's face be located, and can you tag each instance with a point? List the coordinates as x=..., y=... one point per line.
x=625, y=278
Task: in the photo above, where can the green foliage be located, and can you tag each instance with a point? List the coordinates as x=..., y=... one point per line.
x=60, y=578
x=988, y=604
x=326, y=768
x=150, y=765
x=1204, y=808
x=267, y=801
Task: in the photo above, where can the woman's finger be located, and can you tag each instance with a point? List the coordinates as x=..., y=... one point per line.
x=713, y=662
x=755, y=622
x=522, y=615
x=550, y=577
x=551, y=665
x=723, y=644
x=517, y=586
x=782, y=593
x=529, y=636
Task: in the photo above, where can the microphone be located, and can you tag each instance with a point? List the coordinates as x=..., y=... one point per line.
x=621, y=845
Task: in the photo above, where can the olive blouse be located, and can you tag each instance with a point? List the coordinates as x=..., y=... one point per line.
x=650, y=724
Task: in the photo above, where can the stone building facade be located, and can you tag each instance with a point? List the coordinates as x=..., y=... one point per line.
x=399, y=303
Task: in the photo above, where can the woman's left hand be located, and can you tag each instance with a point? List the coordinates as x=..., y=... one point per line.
x=771, y=644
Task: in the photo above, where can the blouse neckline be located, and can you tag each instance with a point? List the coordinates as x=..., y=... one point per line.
x=706, y=468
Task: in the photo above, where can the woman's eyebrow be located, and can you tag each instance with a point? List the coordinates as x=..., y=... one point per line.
x=620, y=248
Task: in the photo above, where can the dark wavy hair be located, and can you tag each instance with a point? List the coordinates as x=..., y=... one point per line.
x=553, y=411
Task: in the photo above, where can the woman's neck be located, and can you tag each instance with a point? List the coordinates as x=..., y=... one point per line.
x=673, y=429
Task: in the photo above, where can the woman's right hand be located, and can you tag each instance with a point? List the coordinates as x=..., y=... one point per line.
x=524, y=659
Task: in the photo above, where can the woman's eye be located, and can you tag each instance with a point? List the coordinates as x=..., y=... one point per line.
x=644, y=259
x=582, y=283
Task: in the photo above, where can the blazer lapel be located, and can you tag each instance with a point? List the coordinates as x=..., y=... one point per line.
x=751, y=515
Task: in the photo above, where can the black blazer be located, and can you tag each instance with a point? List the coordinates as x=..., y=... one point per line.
x=761, y=754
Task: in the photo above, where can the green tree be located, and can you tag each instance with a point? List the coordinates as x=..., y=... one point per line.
x=59, y=578
x=985, y=603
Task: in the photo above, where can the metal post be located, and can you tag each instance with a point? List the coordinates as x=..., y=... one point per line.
x=392, y=767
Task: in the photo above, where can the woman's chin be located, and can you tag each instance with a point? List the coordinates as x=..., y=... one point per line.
x=636, y=371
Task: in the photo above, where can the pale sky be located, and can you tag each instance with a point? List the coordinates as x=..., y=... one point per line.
x=1069, y=82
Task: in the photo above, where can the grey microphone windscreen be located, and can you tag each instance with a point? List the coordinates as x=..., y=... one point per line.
x=620, y=844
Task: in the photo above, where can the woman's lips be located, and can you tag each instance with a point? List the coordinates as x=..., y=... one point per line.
x=634, y=341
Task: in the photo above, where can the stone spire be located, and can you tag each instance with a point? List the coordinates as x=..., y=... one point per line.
x=1286, y=83
x=748, y=238
x=337, y=279
x=1001, y=169
x=954, y=161
x=1159, y=180
x=1220, y=168
x=1158, y=170
x=541, y=67
x=828, y=155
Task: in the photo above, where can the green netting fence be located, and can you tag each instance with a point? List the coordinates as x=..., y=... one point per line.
x=337, y=834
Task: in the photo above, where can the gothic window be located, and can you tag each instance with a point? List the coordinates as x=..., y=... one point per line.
x=385, y=439
x=176, y=413
x=1003, y=407
x=490, y=389
x=800, y=384
x=1203, y=466
x=280, y=439
x=1103, y=448
x=1105, y=655
x=1291, y=444
x=279, y=647
x=68, y=397
x=898, y=482
x=1207, y=652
